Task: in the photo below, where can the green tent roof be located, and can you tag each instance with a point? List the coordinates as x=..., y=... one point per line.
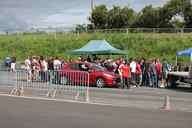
x=98, y=47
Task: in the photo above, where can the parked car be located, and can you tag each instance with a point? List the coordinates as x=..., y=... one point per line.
x=7, y=61
x=98, y=75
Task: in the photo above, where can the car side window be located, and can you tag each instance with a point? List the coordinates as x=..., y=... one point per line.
x=74, y=66
x=83, y=67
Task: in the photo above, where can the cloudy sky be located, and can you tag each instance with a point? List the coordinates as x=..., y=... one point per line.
x=25, y=14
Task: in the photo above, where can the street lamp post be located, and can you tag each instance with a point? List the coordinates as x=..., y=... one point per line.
x=92, y=5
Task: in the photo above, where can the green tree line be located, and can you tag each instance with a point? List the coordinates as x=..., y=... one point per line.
x=173, y=14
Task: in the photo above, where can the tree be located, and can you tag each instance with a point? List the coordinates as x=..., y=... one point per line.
x=80, y=28
x=181, y=8
x=170, y=10
x=120, y=17
x=188, y=13
x=99, y=17
x=147, y=18
x=177, y=21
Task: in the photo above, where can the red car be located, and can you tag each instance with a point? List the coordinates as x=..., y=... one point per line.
x=98, y=75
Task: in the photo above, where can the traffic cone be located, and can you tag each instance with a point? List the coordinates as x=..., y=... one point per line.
x=166, y=106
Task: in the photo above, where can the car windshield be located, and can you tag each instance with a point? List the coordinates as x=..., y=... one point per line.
x=98, y=67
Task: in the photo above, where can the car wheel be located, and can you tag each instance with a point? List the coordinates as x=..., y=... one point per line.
x=100, y=83
x=171, y=83
x=63, y=80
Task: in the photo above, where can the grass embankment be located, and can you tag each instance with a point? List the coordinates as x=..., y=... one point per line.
x=146, y=45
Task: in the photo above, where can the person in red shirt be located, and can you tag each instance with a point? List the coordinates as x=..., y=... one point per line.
x=158, y=67
x=126, y=74
x=138, y=74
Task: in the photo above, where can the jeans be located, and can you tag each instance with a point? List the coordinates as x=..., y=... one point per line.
x=154, y=80
x=126, y=82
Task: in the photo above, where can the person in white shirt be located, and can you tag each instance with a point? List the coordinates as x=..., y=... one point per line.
x=28, y=68
x=43, y=69
x=56, y=63
x=133, y=71
x=57, y=66
x=13, y=64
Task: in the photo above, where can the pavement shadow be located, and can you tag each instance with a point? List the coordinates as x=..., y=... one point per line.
x=182, y=89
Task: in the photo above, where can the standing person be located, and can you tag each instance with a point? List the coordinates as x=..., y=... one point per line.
x=43, y=69
x=35, y=67
x=28, y=68
x=153, y=74
x=120, y=72
x=13, y=64
x=158, y=67
x=138, y=74
x=146, y=76
x=143, y=64
x=165, y=69
x=56, y=64
x=116, y=66
x=133, y=71
x=89, y=59
x=126, y=74
x=57, y=67
x=50, y=68
x=50, y=64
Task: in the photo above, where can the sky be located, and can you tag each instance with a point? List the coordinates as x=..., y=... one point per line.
x=23, y=15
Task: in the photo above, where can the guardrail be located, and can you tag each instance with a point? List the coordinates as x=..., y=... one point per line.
x=55, y=32
x=52, y=84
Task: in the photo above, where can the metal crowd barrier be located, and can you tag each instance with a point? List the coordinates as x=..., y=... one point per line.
x=7, y=78
x=56, y=84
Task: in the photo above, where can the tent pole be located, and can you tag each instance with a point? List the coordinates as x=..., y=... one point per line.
x=176, y=61
x=190, y=67
x=176, y=64
x=191, y=57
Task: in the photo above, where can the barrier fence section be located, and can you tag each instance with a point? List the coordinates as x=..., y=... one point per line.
x=53, y=84
x=7, y=79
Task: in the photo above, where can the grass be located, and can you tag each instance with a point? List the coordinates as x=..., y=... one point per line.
x=138, y=45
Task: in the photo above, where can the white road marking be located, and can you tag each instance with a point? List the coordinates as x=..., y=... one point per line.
x=58, y=100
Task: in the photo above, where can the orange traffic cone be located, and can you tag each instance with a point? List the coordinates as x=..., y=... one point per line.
x=167, y=105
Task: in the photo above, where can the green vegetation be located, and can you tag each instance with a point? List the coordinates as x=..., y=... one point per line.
x=137, y=44
x=173, y=14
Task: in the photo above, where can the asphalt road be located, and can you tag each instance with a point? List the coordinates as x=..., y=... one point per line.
x=136, y=107
x=30, y=113
x=142, y=98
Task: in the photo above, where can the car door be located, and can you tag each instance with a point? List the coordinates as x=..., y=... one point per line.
x=73, y=74
x=92, y=75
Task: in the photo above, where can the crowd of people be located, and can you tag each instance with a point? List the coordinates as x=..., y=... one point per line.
x=39, y=66
x=133, y=72
x=137, y=72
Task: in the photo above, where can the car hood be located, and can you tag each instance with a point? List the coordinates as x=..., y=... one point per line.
x=112, y=74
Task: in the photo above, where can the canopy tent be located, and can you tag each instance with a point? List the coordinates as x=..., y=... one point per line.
x=186, y=52
x=97, y=47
